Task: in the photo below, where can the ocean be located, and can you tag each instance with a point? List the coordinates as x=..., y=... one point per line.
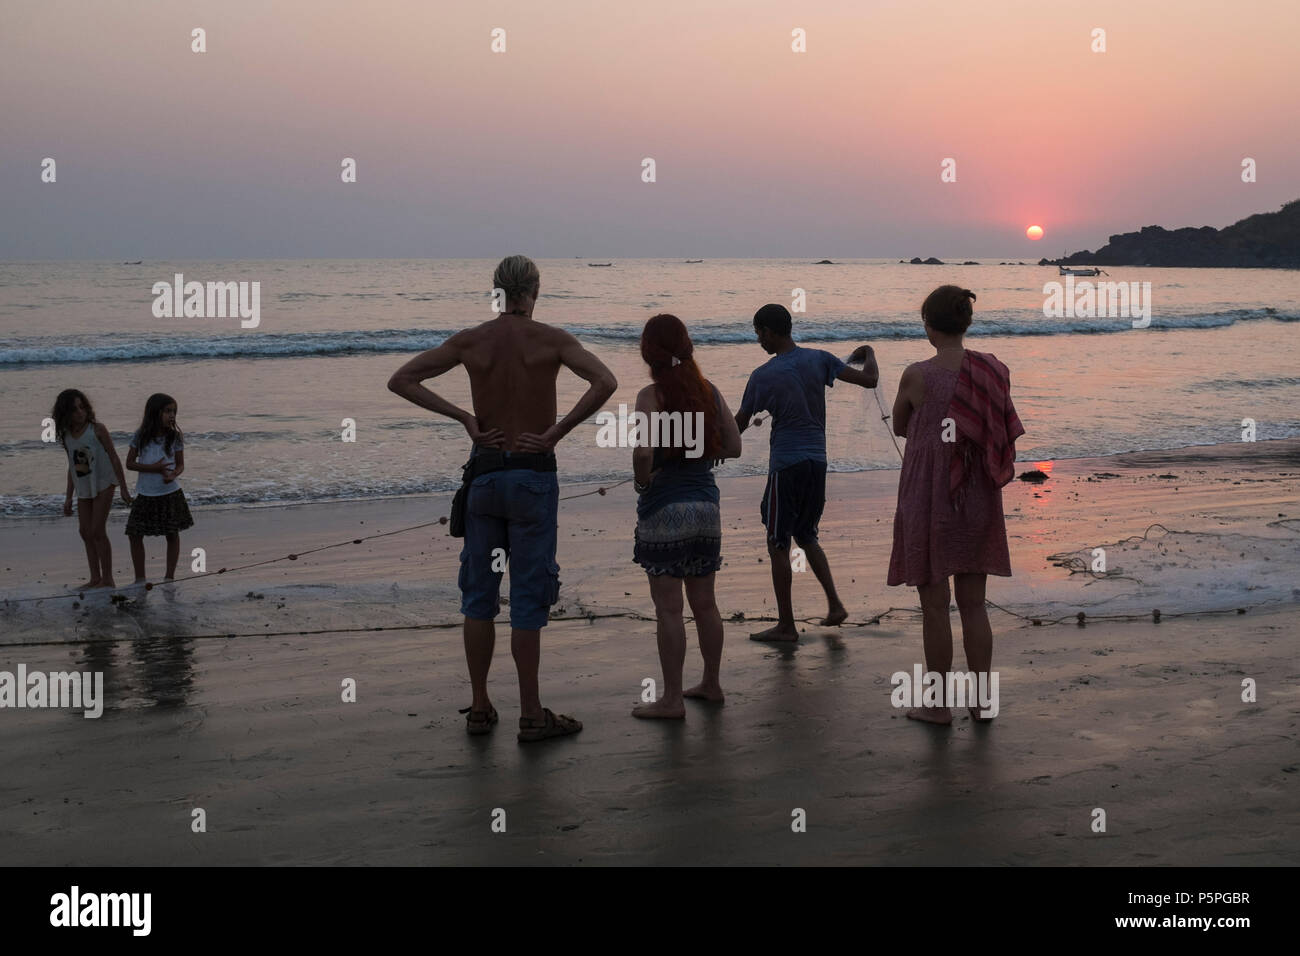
x=263, y=408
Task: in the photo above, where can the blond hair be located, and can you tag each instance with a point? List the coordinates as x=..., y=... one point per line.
x=518, y=276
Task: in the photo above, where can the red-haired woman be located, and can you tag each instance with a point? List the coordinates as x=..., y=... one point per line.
x=679, y=526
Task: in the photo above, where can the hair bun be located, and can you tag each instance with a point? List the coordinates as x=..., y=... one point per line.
x=948, y=309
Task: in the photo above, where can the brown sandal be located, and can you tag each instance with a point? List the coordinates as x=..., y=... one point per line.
x=551, y=725
x=480, y=721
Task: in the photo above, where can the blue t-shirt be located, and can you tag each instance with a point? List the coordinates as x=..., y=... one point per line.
x=791, y=387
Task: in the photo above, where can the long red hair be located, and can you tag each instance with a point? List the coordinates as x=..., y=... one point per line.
x=681, y=385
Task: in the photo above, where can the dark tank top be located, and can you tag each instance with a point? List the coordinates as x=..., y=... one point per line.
x=679, y=479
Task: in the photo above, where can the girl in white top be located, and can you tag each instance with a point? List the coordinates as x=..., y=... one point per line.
x=94, y=470
x=157, y=453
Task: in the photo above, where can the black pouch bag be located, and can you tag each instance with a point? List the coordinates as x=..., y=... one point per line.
x=479, y=464
x=456, y=525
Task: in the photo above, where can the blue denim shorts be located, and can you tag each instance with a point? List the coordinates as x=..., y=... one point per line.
x=510, y=521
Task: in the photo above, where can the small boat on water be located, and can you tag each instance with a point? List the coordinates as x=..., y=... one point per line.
x=1081, y=272
x=600, y=265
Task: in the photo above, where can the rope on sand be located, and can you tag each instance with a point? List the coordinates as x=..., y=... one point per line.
x=591, y=617
x=225, y=636
x=1064, y=559
x=292, y=556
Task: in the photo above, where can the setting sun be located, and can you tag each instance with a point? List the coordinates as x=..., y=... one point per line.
x=1034, y=232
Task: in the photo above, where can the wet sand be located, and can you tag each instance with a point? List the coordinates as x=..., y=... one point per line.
x=1141, y=719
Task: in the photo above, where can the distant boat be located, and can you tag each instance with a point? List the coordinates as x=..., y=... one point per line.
x=694, y=260
x=1081, y=272
x=600, y=265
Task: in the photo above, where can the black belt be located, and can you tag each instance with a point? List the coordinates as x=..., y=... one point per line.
x=492, y=460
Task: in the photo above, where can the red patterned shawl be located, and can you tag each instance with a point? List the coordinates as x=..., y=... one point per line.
x=986, y=420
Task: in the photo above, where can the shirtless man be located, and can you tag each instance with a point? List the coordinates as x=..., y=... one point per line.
x=513, y=362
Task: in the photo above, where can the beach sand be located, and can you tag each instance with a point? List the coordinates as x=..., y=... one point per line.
x=1143, y=720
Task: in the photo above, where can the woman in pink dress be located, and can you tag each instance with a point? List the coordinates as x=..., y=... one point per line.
x=956, y=413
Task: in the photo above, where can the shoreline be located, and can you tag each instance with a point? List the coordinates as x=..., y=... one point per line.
x=1220, y=451
x=1222, y=533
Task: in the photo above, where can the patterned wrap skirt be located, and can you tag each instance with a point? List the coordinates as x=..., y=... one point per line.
x=159, y=514
x=682, y=539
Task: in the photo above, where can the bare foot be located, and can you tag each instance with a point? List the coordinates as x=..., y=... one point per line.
x=86, y=585
x=109, y=583
x=782, y=632
x=660, y=710
x=931, y=715
x=835, y=616
x=712, y=693
x=975, y=716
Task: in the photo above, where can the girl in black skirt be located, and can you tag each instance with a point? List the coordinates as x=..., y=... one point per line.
x=159, y=507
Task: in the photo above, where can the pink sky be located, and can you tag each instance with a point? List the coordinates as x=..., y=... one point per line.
x=759, y=150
